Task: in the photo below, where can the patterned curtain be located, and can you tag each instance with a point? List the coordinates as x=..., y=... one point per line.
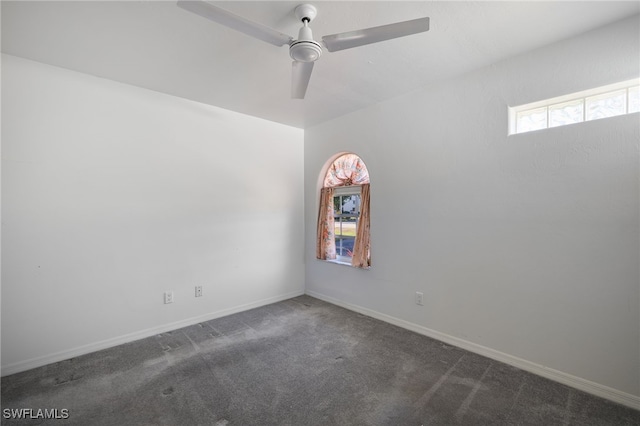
x=326, y=242
x=346, y=170
x=361, y=249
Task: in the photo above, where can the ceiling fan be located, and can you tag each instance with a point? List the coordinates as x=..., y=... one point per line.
x=305, y=50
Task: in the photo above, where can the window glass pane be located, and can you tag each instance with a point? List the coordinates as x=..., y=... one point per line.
x=346, y=212
x=606, y=105
x=566, y=113
x=347, y=246
x=533, y=119
x=350, y=204
x=634, y=99
x=336, y=204
x=349, y=226
x=344, y=246
x=345, y=226
x=339, y=246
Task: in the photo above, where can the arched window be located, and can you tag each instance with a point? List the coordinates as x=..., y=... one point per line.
x=343, y=218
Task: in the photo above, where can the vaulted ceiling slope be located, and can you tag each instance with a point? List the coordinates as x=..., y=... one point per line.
x=159, y=46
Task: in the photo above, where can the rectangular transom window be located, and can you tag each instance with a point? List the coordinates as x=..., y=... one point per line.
x=602, y=102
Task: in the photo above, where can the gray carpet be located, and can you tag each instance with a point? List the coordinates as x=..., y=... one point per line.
x=298, y=362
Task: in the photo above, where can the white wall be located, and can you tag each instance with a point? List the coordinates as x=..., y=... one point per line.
x=526, y=247
x=112, y=195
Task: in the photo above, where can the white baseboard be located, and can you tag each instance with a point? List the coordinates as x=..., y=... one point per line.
x=20, y=366
x=593, y=388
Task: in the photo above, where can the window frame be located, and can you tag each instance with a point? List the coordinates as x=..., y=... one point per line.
x=583, y=96
x=341, y=191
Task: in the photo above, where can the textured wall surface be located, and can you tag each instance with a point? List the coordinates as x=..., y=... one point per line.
x=528, y=244
x=112, y=195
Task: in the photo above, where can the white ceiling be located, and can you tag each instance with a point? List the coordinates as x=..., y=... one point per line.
x=158, y=46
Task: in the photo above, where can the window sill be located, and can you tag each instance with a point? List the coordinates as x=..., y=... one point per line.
x=338, y=262
x=344, y=263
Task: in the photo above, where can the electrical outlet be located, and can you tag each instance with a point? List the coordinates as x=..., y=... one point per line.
x=168, y=297
x=419, y=298
x=198, y=291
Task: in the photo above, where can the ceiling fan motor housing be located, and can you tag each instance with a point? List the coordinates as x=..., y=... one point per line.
x=305, y=49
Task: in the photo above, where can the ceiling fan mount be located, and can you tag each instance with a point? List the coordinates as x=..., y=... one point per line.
x=305, y=50
x=306, y=12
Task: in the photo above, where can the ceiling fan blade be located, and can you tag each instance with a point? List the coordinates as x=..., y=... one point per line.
x=235, y=22
x=300, y=78
x=357, y=38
